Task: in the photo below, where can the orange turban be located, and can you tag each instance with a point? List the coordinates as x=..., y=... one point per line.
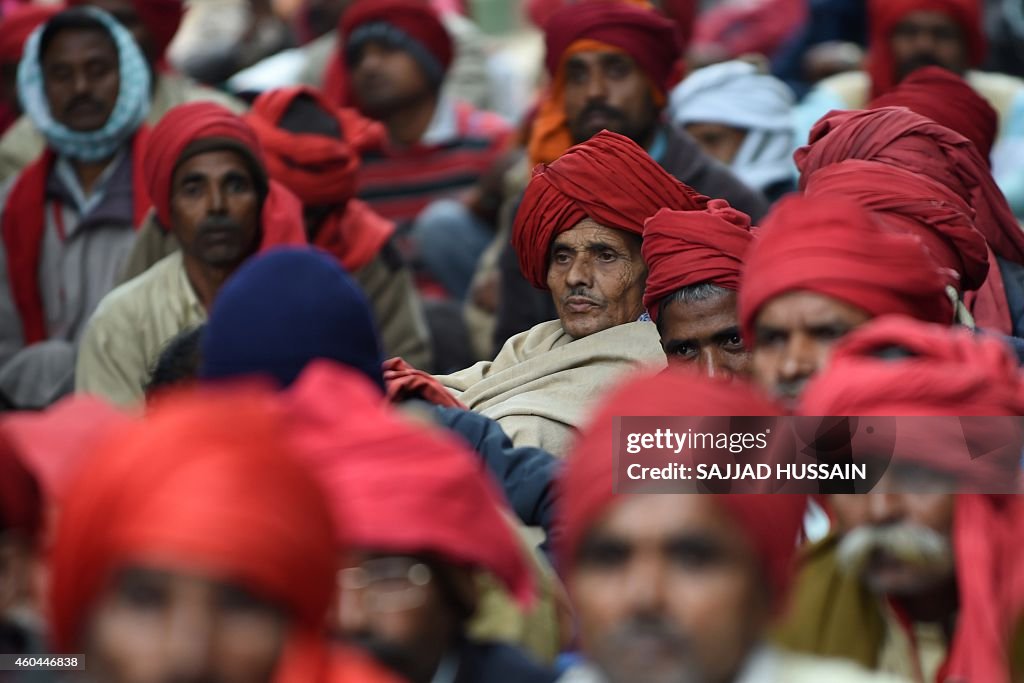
x=204, y=483
x=608, y=179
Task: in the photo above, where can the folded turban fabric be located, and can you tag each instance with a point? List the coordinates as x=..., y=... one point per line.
x=284, y=309
x=204, y=484
x=683, y=248
x=643, y=34
x=950, y=372
x=281, y=216
x=322, y=170
x=737, y=95
x=913, y=203
x=836, y=248
x=399, y=487
x=160, y=17
x=17, y=26
x=898, y=136
x=609, y=179
x=948, y=100
x=772, y=522
x=885, y=15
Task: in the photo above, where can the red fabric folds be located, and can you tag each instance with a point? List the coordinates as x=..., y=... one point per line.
x=404, y=382
x=21, y=500
x=772, y=522
x=397, y=486
x=885, y=15
x=23, y=228
x=948, y=100
x=913, y=203
x=609, y=179
x=836, y=248
x=187, y=489
x=900, y=137
x=322, y=171
x=181, y=126
x=683, y=248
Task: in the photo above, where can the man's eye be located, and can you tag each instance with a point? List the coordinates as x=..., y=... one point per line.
x=576, y=76
x=618, y=70
x=238, y=186
x=603, y=556
x=684, y=351
x=561, y=259
x=734, y=342
x=607, y=256
x=830, y=332
x=770, y=338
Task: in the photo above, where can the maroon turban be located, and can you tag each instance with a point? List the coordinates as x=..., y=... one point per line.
x=898, y=136
x=683, y=248
x=885, y=15
x=771, y=522
x=951, y=372
x=836, y=248
x=188, y=123
x=160, y=17
x=948, y=100
x=609, y=179
x=646, y=36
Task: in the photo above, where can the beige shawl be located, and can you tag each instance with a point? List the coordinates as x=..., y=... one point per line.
x=544, y=384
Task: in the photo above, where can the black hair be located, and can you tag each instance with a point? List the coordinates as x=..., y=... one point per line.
x=306, y=115
x=74, y=19
x=178, y=362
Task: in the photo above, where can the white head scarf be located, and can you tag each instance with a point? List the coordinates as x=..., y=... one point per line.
x=736, y=94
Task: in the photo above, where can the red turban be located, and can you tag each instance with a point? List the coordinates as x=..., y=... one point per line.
x=899, y=137
x=187, y=123
x=415, y=18
x=648, y=38
x=916, y=204
x=608, y=179
x=160, y=17
x=885, y=15
x=400, y=487
x=836, y=248
x=948, y=100
x=16, y=27
x=772, y=522
x=683, y=248
x=322, y=170
x=53, y=442
x=951, y=372
x=21, y=500
x=204, y=483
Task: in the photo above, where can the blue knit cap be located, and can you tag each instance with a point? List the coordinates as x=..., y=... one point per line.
x=284, y=309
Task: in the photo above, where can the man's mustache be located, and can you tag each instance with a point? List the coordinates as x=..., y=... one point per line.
x=218, y=224
x=584, y=293
x=910, y=544
x=603, y=109
x=85, y=101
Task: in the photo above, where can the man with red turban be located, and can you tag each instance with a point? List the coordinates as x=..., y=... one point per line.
x=188, y=548
x=820, y=268
x=902, y=138
x=419, y=519
x=577, y=233
x=930, y=583
x=678, y=587
x=67, y=220
x=693, y=262
x=908, y=35
x=153, y=24
x=611, y=63
x=313, y=148
x=210, y=188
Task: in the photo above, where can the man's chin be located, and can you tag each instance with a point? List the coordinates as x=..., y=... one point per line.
x=578, y=327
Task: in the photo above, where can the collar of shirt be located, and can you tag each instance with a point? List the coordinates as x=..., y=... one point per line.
x=65, y=172
x=659, y=145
